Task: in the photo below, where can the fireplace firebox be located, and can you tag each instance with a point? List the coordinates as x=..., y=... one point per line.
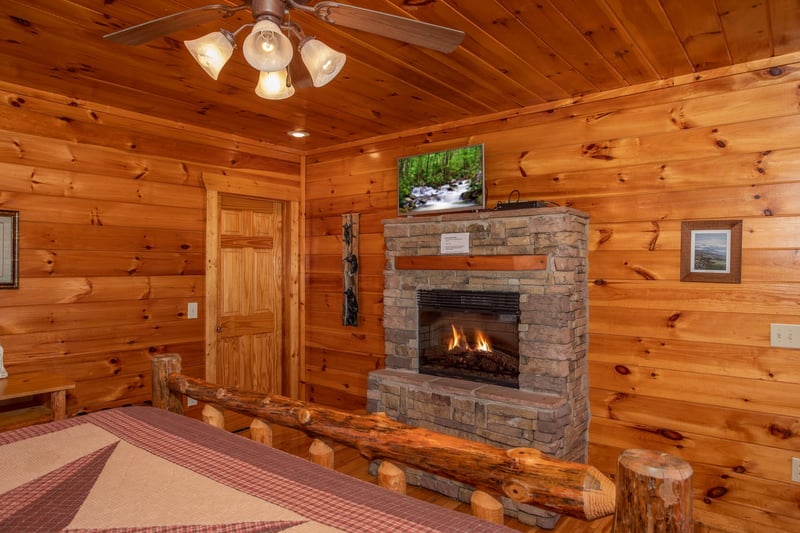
x=470, y=335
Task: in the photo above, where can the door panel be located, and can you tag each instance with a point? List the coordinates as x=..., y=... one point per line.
x=249, y=337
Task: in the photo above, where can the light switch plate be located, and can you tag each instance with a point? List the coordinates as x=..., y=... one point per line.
x=191, y=311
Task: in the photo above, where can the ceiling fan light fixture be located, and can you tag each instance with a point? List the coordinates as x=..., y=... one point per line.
x=274, y=85
x=212, y=51
x=322, y=61
x=266, y=48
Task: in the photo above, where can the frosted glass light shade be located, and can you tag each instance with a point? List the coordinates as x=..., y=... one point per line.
x=211, y=51
x=274, y=85
x=266, y=48
x=322, y=61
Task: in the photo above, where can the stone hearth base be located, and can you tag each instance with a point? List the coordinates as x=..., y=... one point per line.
x=500, y=416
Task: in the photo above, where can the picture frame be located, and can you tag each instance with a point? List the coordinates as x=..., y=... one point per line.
x=9, y=249
x=711, y=251
x=439, y=182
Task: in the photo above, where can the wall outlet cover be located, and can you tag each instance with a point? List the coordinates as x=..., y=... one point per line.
x=784, y=335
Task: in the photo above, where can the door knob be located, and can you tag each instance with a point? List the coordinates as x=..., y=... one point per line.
x=219, y=328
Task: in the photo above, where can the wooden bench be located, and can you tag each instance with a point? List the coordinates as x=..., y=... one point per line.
x=32, y=398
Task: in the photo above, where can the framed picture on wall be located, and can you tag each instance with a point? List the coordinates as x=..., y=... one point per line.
x=711, y=251
x=438, y=182
x=9, y=249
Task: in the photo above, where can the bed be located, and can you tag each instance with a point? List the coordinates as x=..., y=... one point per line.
x=147, y=469
x=151, y=469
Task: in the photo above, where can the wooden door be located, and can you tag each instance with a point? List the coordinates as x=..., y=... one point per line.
x=249, y=312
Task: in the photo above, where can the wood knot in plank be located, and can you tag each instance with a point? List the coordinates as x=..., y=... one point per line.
x=673, y=319
x=622, y=369
x=605, y=235
x=656, y=231
x=780, y=431
x=670, y=434
x=643, y=272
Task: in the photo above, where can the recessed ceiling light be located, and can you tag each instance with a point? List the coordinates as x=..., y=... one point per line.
x=298, y=134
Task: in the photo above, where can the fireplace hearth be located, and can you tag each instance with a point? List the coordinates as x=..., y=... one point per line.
x=540, y=257
x=469, y=335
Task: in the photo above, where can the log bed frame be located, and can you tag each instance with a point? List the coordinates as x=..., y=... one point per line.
x=654, y=490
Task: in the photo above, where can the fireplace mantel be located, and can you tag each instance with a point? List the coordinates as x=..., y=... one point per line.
x=471, y=262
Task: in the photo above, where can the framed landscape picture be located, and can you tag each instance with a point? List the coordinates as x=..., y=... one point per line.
x=711, y=251
x=439, y=182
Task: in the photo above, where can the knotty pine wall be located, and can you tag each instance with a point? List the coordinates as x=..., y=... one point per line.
x=112, y=243
x=682, y=367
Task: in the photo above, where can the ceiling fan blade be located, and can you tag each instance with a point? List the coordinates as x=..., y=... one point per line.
x=153, y=29
x=403, y=29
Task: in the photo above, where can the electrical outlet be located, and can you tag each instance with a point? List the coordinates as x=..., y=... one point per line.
x=784, y=335
x=191, y=402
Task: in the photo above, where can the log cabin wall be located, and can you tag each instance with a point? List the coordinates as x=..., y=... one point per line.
x=112, y=243
x=682, y=367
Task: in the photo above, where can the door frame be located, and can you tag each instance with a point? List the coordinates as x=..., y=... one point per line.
x=293, y=287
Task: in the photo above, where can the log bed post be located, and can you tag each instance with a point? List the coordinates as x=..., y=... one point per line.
x=392, y=477
x=487, y=507
x=654, y=493
x=321, y=454
x=261, y=432
x=213, y=415
x=163, y=397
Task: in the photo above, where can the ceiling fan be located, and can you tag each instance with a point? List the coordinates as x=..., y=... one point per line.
x=268, y=50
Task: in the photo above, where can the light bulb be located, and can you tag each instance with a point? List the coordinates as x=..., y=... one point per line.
x=267, y=40
x=266, y=48
x=274, y=85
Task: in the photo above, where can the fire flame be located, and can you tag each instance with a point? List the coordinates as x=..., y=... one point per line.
x=459, y=340
x=482, y=342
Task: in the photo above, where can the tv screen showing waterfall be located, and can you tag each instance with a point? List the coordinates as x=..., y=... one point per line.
x=436, y=182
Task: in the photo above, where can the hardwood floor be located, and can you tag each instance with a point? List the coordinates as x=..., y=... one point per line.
x=348, y=461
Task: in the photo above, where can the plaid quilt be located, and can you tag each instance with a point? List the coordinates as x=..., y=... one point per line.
x=141, y=469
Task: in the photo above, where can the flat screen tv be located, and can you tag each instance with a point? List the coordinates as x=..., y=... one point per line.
x=438, y=182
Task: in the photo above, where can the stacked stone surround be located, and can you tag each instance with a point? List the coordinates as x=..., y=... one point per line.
x=550, y=411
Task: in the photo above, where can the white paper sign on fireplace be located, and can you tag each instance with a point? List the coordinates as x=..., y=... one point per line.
x=454, y=243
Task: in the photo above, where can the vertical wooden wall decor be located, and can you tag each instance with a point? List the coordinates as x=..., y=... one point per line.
x=350, y=269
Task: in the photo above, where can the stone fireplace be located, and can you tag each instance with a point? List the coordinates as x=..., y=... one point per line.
x=539, y=257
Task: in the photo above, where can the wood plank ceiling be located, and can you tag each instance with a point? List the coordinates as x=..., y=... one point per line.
x=516, y=53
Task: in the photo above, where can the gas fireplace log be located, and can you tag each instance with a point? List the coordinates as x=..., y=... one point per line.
x=522, y=474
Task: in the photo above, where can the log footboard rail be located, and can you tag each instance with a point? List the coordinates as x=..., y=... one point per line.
x=524, y=475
